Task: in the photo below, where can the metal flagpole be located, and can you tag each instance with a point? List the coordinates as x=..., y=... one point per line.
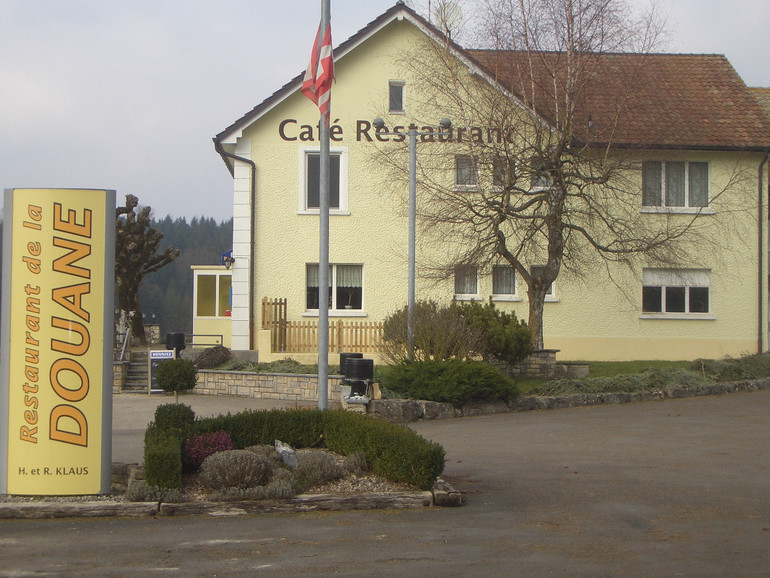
x=323, y=257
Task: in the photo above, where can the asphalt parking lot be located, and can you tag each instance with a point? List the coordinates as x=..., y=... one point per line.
x=678, y=487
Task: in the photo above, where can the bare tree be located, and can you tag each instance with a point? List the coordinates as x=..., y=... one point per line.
x=136, y=246
x=538, y=117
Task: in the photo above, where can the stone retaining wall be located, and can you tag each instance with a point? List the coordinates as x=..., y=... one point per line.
x=542, y=364
x=275, y=386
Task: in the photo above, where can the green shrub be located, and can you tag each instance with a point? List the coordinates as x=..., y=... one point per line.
x=454, y=381
x=176, y=416
x=176, y=375
x=504, y=336
x=213, y=357
x=439, y=333
x=162, y=457
x=235, y=469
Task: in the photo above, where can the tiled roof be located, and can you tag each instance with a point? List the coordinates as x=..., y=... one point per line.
x=688, y=101
x=762, y=96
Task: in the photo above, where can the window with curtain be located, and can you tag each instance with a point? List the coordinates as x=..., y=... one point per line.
x=345, y=287
x=677, y=184
x=466, y=280
x=503, y=280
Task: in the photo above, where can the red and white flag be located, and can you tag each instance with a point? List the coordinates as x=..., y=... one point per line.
x=317, y=84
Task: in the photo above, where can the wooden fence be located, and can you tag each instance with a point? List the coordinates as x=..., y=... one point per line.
x=302, y=336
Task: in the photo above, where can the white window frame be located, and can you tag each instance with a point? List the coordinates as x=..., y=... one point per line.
x=506, y=296
x=662, y=207
x=303, y=209
x=218, y=275
x=474, y=173
x=677, y=278
x=402, y=85
x=467, y=296
x=333, y=310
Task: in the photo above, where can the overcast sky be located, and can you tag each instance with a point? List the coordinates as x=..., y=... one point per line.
x=127, y=94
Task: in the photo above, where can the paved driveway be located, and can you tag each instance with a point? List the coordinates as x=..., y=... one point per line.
x=680, y=487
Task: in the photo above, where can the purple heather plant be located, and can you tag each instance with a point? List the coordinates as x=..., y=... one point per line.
x=200, y=446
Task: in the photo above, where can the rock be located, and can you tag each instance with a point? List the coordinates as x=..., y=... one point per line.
x=288, y=455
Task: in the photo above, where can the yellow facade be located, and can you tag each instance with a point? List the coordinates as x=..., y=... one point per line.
x=594, y=317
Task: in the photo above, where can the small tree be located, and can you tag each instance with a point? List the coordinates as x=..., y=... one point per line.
x=176, y=375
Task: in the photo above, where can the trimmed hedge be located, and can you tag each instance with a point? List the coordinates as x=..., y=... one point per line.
x=300, y=428
x=392, y=451
x=163, y=457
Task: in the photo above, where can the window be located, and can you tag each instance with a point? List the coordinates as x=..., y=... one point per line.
x=465, y=171
x=503, y=281
x=213, y=295
x=396, y=96
x=466, y=282
x=535, y=271
x=310, y=181
x=345, y=287
x=675, y=184
x=540, y=179
x=671, y=291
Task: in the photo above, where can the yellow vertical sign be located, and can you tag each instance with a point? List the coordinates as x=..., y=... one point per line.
x=58, y=340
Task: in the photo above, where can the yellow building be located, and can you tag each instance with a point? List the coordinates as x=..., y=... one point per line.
x=697, y=139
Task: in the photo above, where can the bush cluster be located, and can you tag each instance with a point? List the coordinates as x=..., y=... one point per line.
x=734, y=369
x=287, y=365
x=454, y=381
x=391, y=451
x=213, y=357
x=459, y=331
x=504, y=336
x=650, y=380
x=439, y=333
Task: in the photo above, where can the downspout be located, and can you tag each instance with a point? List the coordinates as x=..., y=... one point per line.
x=252, y=202
x=762, y=253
